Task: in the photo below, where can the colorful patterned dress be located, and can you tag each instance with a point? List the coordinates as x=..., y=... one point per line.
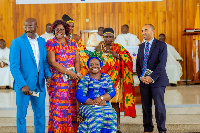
x=62, y=95
x=121, y=73
x=98, y=119
x=83, y=57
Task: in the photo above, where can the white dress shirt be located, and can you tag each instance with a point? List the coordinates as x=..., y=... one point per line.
x=150, y=43
x=36, y=51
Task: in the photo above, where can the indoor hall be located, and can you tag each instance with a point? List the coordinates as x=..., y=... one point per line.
x=178, y=20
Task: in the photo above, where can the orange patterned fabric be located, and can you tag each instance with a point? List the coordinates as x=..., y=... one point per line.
x=83, y=57
x=112, y=66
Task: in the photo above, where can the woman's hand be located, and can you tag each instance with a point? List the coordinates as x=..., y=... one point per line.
x=102, y=103
x=72, y=75
x=89, y=102
x=97, y=101
x=114, y=54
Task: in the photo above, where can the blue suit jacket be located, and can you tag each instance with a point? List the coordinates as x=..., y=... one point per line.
x=156, y=62
x=23, y=65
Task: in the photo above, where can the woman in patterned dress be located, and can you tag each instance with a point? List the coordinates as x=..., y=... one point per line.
x=94, y=92
x=62, y=55
x=80, y=45
x=118, y=64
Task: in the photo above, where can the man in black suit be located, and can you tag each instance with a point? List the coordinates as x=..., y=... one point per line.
x=152, y=55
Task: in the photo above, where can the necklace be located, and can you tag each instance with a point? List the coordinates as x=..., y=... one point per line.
x=105, y=50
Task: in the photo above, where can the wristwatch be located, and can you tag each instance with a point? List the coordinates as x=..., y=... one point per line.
x=101, y=98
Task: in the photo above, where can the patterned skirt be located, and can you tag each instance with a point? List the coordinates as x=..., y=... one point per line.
x=98, y=119
x=119, y=97
x=62, y=107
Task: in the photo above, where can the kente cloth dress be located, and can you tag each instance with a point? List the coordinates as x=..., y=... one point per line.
x=62, y=95
x=120, y=71
x=98, y=119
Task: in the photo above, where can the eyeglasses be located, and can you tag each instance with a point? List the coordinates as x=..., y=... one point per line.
x=57, y=29
x=161, y=37
x=26, y=27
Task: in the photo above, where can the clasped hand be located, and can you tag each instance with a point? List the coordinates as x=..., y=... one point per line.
x=26, y=90
x=73, y=75
x=115, y=54
x=146, y=80
x=98, y=101
x=48, y=81
x=3, y=64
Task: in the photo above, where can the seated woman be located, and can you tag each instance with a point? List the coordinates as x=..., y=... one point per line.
x=94, y=92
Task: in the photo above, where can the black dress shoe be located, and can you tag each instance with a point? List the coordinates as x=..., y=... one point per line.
x=173, y=84
x=7, y=87
x=118, y=131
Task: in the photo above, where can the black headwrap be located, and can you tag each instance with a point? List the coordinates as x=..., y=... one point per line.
x=108, y=30
x=67, y=19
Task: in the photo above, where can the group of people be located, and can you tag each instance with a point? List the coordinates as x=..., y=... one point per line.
x=90, y=85
x=77, y=84
x=174, y=60
x=125, y=39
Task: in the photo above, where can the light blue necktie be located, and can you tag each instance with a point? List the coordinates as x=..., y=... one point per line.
x=146, y=54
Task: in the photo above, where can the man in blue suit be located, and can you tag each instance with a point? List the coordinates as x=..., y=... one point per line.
x=29, y=67
x=152, y=55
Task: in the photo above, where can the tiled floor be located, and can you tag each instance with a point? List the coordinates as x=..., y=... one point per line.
x=182, y=103
x=174, y=96
x=188, y=94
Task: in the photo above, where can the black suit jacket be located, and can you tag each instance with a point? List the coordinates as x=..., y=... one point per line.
x=157, y=60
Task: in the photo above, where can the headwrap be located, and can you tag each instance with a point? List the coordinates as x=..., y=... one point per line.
x=101, y=63
x=67, y=19
x=108, y=30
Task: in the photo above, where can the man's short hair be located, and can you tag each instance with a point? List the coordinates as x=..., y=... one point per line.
x=32, y=19
x=49, y=24
x=3, y=40
x=151, y=26
x=162, y=34
x=100, y=28
x=126, y=26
